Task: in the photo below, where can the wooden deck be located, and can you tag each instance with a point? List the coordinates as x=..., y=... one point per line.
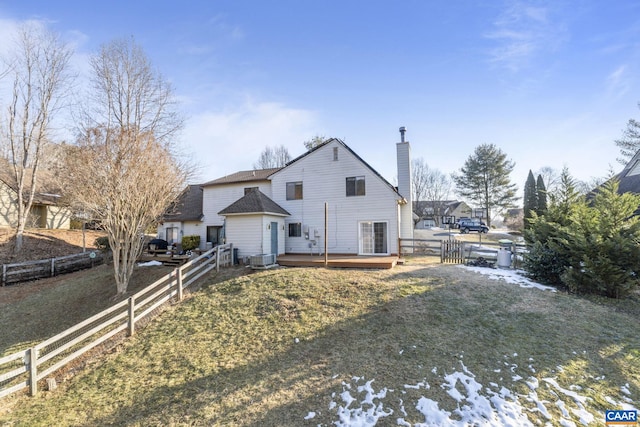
x=338, y=261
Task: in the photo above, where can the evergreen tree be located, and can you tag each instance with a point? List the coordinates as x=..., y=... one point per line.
x=604, y=238
x=548, y=235
x=542, y=196
x=530, y=199
x=484, y=179
x=588, y=247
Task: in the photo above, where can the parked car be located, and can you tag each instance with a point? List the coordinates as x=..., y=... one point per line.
x=459, y=220
x=468, y=226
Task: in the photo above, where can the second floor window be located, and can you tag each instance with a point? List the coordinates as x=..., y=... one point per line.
x=355, y=186
x=294, y=190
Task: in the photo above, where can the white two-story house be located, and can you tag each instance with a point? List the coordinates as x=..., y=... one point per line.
x=328, y=191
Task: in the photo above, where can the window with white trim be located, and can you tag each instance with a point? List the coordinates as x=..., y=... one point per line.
x=294, y=190
x=355, y=186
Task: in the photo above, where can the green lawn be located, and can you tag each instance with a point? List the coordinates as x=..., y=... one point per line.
x=272, y=348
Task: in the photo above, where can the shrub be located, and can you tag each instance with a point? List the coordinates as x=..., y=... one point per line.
x=190, y=242
x=102, y=243
x=544, y=264
x=589, y=247
x=75, y=224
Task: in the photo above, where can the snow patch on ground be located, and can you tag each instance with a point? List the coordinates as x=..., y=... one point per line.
x=360, y=404
x=510, y=276
x=493, y=405
x=149, y=263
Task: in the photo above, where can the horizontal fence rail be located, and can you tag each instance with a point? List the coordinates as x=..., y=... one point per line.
x=461, y=252
x=31, y=270
x=428, y=247
x=27, y=367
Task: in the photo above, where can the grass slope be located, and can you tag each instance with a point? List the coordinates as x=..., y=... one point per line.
x=270, y=347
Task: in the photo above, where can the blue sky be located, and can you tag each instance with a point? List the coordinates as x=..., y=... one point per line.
x=550, y=83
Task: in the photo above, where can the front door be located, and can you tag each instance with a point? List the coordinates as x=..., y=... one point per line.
x=274, y=238
x=373, y=238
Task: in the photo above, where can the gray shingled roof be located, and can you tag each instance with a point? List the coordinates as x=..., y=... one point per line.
x=188, y=207
x=243, y=176
x=254, y=202
x=629, y=184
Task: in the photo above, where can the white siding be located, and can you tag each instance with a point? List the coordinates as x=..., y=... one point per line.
x=217, y=197
x=58, y=217
x=193, y=228
x=246, y=232
x=251, y=234
x=324, y=180
x=187, y=228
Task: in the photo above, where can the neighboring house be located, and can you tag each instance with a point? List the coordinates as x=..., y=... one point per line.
x=47, y=211
x=184, y=217
x=282, y=210
x=431, y=212
x=629, y=178
x=514, y=213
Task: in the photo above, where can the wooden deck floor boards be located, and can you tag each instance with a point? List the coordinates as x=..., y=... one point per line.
x=338, y=261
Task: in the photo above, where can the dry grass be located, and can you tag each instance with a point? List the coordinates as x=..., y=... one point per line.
x=268, y=347
x=45, y=243
x=34, y=311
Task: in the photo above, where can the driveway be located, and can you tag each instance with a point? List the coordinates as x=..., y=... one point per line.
x=444, y=233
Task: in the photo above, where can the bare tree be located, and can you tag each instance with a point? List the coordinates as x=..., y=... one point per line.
x=431, y=189
x=273, y=158
x=39, y=66
x=629, y=143
x=124, y=168
x=550, y=177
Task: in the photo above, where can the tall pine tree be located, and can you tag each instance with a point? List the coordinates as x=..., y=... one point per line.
x=541, y=191
x=530, y=199
x=484, y=180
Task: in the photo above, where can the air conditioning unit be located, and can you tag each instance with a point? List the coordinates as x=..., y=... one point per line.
x=262, y=260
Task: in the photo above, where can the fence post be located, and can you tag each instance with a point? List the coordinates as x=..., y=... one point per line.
x=4, y=274
x=53, y=266
x=132, y=327
x=179, y=282
x=218, y=258
x=231, y=255
x=33, y=372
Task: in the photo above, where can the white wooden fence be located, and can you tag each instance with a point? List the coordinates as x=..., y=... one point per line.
x=31, y=270
x=26, y=368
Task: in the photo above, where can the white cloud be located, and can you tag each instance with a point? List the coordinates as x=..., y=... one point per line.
x=521, y=32
x=228, y=141
x=618, y=82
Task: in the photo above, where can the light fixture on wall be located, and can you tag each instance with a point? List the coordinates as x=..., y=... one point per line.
x=268, y=226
